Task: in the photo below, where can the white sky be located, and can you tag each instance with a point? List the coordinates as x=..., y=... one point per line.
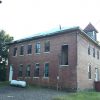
x=22, y=18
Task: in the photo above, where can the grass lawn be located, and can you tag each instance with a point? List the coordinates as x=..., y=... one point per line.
x=80, y=96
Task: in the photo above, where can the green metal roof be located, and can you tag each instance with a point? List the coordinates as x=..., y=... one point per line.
x=44, y=34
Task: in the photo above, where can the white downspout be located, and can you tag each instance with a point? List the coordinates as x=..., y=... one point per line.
x=10, y=73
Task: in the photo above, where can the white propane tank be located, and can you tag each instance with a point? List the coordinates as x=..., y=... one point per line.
x=18, y=83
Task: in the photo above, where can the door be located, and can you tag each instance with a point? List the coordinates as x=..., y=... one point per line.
x=10, y=73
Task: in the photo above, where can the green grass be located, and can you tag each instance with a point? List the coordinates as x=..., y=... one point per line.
x=80, y=96
x=2, y=84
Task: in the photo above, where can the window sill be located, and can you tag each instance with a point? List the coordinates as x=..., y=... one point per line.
x=90, y=79
x=29, y=54
x=36, y=77
x=15, y=56
x=20, y=77
x=21, y=55
x=64, y=65
x=28, y=77
x=37, y=53
x=47, y=52
x=45, y=77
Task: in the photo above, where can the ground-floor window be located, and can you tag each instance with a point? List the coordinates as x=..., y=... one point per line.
x=20, y=70
x=36, y=70
x=46, y=70
x=89, y=71
x=28, y=70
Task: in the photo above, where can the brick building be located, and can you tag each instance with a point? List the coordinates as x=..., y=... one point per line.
x=66, y=59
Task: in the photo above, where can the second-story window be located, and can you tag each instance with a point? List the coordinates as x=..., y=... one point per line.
x=47, y=46
x=89, y=50
x=97, y=54
x=29, y=49
x=93, y=52
x=22, y=50
x=15, y=51
x=37, y=47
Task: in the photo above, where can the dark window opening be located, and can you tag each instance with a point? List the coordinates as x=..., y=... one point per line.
x=22, y=50
x=15, y=51
x=93, y=52
x=28, y=70
x=29, y=49
x=89, y=50
x=47, y=46
x=36, y=70
x=20, y=73
x=89, y=71
x=64, y=55
x=97, y=54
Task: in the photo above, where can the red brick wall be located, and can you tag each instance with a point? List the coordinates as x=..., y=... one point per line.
x=67, y=74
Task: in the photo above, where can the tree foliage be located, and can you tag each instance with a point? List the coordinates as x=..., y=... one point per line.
x=4, y=39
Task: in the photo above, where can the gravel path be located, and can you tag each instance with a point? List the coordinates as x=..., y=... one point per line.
x=16, y=93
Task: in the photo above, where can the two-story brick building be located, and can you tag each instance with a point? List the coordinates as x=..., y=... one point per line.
x=67, y=59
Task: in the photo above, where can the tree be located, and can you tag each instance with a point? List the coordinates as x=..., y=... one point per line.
x=4, y=39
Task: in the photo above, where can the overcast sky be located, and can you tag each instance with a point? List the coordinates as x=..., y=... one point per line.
x=22, y=18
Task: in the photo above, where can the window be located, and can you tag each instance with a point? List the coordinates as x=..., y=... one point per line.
x=28, y=70
x=47, y=46
x=93, y=52
x=64, y=55
x=96, y=74
x=97, y=54
x=89, y=71
x=22, y=50
x=36, y=70
x=15, y=51
x=20, y=70
x=37, y=48
x=29, y=49
x=46, y=70
x=89, y=50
